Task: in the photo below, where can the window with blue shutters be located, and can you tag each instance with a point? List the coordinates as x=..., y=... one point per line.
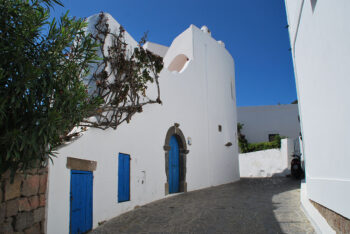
x=123, y=177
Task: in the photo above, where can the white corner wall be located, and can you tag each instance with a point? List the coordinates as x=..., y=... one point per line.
x=317, y=220
x=156, y=48
x=321, y=56
x=267, y=163
x=199, y=99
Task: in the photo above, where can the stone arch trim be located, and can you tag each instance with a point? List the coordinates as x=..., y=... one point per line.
x=183, y=151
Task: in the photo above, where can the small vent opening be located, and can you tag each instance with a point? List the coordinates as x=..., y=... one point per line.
x=178, y=63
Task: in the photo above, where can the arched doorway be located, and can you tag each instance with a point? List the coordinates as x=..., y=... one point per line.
x=175, y=160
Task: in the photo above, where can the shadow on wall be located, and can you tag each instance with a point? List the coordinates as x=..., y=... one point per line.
x=246, y=206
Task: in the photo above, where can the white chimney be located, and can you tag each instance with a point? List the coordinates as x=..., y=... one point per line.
x=205, y=29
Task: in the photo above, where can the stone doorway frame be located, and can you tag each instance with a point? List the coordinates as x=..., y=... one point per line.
x=183, y=151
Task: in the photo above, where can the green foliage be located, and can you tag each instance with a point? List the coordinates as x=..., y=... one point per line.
x=276, y=143
x=247, y=147
x=242, y=141
x=41, y=94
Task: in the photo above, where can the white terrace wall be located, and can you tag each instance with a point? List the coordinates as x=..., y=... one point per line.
x=267, y=163
x=320, y=34
x=260, y=121
x=199, y=98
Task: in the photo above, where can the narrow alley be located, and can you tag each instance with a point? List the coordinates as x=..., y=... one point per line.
x=270, y=205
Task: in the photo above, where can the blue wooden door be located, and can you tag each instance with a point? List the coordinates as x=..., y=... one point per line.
x=80, y=201
x=123, y=177
x=174, y=166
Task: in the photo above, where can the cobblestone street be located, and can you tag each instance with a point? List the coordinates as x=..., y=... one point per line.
x=248, y=206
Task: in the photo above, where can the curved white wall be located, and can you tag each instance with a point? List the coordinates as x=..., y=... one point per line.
x=199, y=99
x=182, y=44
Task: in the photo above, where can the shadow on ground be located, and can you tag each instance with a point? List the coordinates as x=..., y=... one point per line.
x=247, y=206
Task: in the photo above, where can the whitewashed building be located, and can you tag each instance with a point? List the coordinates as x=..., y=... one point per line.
x=320, y=34
x=195, y=125
x=261, y=123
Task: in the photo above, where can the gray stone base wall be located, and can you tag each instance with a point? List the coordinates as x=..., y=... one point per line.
x=339, y=223
x=22, y=202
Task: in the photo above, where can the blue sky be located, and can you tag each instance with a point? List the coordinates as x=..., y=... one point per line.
x=253, y=32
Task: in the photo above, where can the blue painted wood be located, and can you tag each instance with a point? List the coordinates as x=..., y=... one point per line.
x=80, y=201
x=174, y=165
x=123, y=177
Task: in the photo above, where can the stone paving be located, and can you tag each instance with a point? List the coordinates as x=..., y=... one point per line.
x=249, y=206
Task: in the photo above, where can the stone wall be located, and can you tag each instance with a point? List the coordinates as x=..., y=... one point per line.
x=339, y=223
x=22, y=203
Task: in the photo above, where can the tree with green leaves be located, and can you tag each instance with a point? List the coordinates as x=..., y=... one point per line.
x=43, y=95
x=242, y=141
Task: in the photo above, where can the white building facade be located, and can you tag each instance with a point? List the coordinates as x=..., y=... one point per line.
x=320, y=34
x=263, y=122
x=199, y=111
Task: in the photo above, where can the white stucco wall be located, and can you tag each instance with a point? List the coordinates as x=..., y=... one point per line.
x=318, y=222
x=156, y=48
x=267, y=163
x=293, y=8
x=260, y=121
x=321, y=56
x=199, y=99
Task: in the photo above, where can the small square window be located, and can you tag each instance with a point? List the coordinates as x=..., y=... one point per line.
x=220, y=128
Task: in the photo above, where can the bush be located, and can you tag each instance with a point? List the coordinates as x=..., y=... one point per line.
x=42, y=96
x=276, y=143
x=242, y=141
x=247, y=147
x=42, y=92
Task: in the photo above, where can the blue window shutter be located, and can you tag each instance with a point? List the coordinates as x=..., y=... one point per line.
x=123, y=177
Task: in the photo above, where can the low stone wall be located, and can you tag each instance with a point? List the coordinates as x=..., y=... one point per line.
x=22, y=203
x=339, y=223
